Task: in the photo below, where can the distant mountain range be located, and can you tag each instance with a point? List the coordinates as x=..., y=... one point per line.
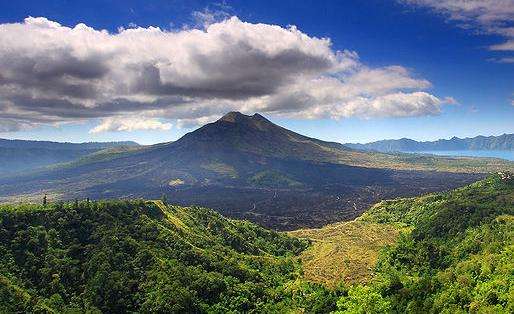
x=248, y=167
x=21, y=155
x=502, y=142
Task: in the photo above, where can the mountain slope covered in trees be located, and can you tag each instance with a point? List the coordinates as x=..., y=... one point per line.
x=121, y=256
x=455, y=254
x=501, y=142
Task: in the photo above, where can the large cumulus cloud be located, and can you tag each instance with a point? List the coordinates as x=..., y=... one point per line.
x=51, y=73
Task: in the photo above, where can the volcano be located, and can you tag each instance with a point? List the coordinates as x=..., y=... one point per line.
x=245, y=167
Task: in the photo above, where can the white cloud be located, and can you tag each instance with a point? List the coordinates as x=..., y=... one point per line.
x=506, y=46
x=129, y=124
x=450, y=100
x=398, y=105
x=52, y=73
x=484, y=16
x=489, y=15
x=7, y=125
x=207, y=17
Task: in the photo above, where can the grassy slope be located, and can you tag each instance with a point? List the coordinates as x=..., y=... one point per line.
x=456, y=254
x=345, y=251
x=459, y=256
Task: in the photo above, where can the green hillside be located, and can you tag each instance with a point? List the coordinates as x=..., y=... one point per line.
x=21, y=155
x=121, y=256
x=458, y=256
x=449, y=252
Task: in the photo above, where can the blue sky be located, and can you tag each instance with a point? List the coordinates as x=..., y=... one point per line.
x=427, y=41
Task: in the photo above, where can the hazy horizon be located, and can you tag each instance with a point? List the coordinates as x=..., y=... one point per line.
x=127, y=137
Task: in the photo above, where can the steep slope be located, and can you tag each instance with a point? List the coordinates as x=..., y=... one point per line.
x=248, y=167
x=502, y=142
x=142, y=256
x=455, y=253
x=344, y=251
x=21, y=155
x=257, y=135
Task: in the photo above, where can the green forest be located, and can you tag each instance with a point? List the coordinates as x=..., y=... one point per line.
x=455, y=253
x=142, y=256
x=458, y=256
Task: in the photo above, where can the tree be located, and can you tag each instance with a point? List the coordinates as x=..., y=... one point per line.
x=164, y=199
x=44, y=200
x=363, y=299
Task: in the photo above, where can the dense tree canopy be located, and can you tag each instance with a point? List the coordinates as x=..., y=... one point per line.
x=459, y=256
x=120, y=256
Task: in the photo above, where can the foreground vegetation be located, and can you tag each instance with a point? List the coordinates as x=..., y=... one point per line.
x=344, y=252
x=449, y=252
x=116, y=256
x=459, y=256
x=441, y=253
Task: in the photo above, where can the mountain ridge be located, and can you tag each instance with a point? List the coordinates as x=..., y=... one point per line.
x=24, y=155
x=480, y=142
x=17, y=143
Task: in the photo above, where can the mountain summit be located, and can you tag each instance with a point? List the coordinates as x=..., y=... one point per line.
x=256, y=134
x=246, y=167
x=236, y=117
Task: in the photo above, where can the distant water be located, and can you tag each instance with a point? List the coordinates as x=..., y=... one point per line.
x=504, y=154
